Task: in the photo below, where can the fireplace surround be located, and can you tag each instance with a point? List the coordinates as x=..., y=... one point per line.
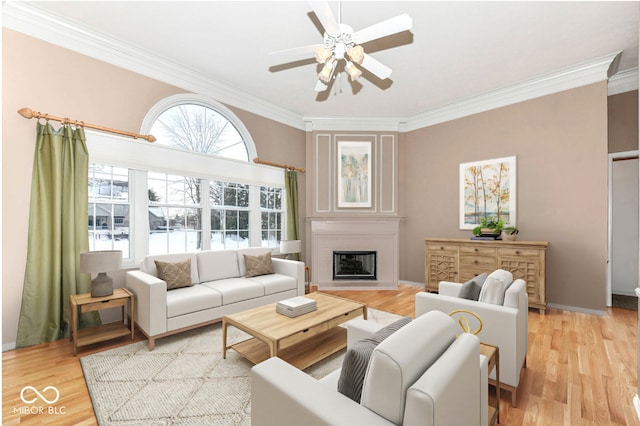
x=379, y=236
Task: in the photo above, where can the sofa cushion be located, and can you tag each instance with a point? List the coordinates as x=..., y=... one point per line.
x=258, y=265
x=175, y=274
x=275, y=283
x=217, y=265
x=494, y=287
x=251, y=251
x=401, y=359
x=148, y=264
x=471, y=289
x=356, y=360
x=186, y=300
x=236, y=289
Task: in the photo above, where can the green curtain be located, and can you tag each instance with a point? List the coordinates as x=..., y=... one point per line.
x=291, y=188
x=58, y=232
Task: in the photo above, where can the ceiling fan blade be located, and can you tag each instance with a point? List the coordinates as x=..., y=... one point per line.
x=376, y=67
x=320, y=86
x=297, y=52
x=325, y=15
x=382, y=29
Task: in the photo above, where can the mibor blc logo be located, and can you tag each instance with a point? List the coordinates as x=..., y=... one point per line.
x=30, y=396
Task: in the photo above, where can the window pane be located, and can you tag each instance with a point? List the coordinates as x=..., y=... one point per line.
x=174, y=226
x=108, y=208
x=200, y=129
x=271, y=217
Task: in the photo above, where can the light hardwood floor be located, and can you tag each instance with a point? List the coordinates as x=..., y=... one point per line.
x=581, y=369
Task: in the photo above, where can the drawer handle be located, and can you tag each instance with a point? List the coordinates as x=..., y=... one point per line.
x=475, y=249
x=517, y=251
x=475, y=261
x=304, y=331
x=441, y=248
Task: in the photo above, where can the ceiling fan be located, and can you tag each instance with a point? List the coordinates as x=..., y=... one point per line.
x=342, y=43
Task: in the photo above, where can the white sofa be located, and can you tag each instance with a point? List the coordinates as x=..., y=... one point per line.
x=220, y=288
x=505, y=326
x=420, y=375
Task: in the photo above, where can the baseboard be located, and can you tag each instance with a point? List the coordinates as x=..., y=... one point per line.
x=412, y=283
x=8, y=346
x=577, y=309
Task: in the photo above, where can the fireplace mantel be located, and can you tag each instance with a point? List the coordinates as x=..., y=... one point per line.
x=379, y=235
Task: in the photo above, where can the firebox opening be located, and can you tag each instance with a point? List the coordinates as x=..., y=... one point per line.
x=354, y=265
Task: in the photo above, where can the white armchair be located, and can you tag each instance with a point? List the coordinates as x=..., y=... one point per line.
x=504, y=326
x=419, y=375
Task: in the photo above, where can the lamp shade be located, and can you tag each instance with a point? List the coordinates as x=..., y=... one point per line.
x=100, y=261
x=290, y=246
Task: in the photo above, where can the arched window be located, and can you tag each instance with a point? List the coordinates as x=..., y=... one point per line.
x=195, y=123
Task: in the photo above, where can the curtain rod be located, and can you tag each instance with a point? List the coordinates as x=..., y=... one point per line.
x=29, y=113
x=282, y=166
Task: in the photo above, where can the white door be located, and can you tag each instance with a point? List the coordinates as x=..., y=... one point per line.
x=624, y=226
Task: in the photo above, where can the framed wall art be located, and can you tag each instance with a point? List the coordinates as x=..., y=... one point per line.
x=488, y=189
x=354, y=174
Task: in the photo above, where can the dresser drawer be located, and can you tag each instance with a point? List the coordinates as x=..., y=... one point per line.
x=442, y=248
x=483, y=262
x=478, y=251
x=515, y=252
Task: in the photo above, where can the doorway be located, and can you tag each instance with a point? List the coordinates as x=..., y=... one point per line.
x=623, y=229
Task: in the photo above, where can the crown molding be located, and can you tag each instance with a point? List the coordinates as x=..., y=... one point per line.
x=352, y=123
x=564, y=79
x=624, y=81
x=27, y=18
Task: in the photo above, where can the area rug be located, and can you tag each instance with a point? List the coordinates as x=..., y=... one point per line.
x=183, y=381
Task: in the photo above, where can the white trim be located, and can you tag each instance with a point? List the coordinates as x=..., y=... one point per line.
x=352, y=123
x=624, y=81
x=577, y=309
x=27, y=18
x=610, y=158
x=411, y=283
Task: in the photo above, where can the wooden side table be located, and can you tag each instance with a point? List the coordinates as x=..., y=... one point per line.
x=85, y=303
x=493, y=355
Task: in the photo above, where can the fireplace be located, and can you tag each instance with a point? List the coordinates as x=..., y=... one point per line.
x=354, y=265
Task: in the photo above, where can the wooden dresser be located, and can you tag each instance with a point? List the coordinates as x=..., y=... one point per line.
x=457, y=260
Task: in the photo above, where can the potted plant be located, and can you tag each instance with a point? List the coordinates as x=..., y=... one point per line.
x=509, y=233
x=488, y=225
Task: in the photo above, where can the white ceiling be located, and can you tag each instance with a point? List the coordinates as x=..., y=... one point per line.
x=455, y=51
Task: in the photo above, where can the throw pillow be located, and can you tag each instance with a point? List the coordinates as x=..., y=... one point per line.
x=471, y=289
x=494, y=287
x=356, y=360
x=176, y=274
x=258, y=265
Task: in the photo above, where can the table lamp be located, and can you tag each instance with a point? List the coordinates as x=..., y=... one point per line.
x=290, y=247
x=101, y=262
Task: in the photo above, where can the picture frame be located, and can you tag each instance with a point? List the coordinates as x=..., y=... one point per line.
x=354, y=174
x=488, y=188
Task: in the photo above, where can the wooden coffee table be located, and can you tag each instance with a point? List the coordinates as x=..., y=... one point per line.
x=301, y=341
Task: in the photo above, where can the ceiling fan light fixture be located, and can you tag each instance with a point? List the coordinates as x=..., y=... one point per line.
x=356, y=53
x=353, y=71
x=327, y=71
x=322, y=54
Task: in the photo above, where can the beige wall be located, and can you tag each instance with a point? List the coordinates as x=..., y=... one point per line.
x=623, y=121
x=54, y=80
x=560, y=141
